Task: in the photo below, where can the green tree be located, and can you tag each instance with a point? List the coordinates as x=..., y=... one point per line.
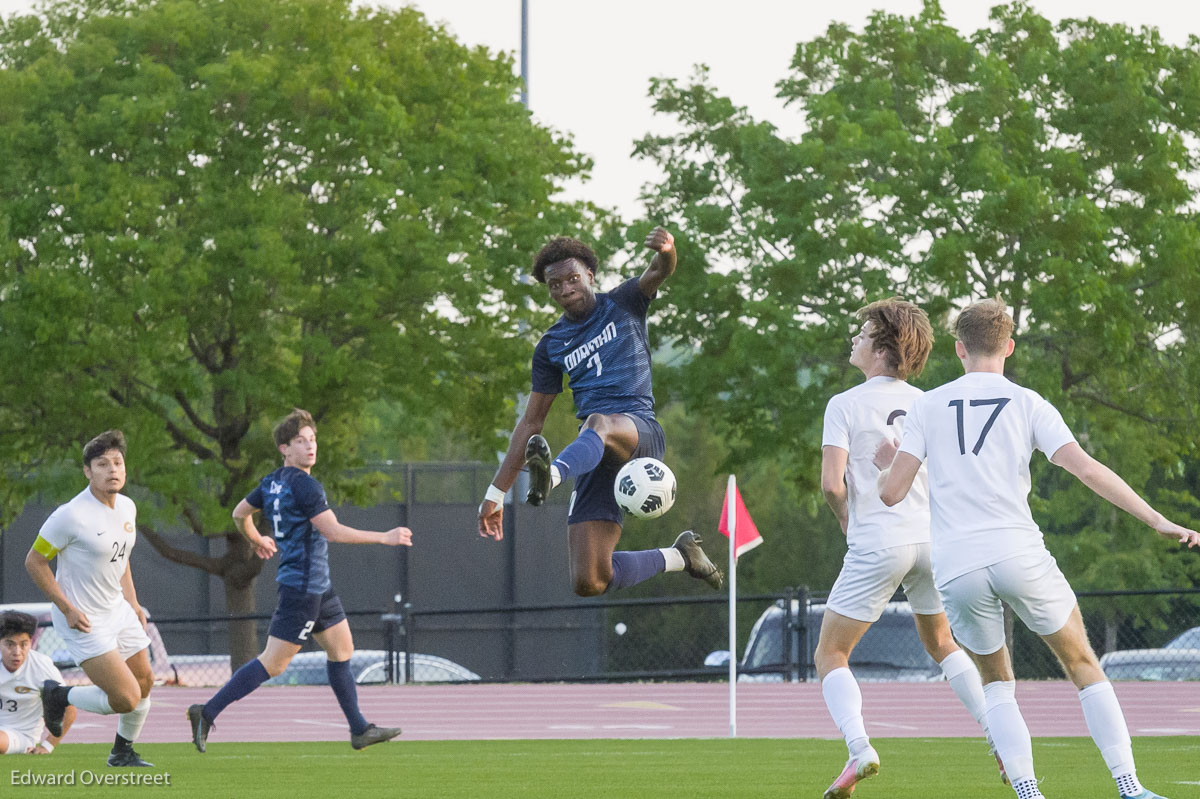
x=1054, y=165
x=214, y=210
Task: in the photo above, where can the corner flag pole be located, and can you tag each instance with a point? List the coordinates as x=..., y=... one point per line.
x=731, y=520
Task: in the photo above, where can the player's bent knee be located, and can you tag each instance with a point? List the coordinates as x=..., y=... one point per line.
x=124, y=702
x=589, y=587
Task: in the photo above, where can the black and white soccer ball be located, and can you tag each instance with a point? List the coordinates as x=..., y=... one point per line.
x=645, y=488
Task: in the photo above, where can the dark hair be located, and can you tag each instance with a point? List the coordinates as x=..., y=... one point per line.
x=109, y=439
x=289, y=428
x=14, y=622
x=562, y=249
x=901, y=330
x=984, y=327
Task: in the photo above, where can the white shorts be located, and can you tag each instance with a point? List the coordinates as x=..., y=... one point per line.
x=119, y=630
x=18, y=742
x=869, y=579
x=1031, y=584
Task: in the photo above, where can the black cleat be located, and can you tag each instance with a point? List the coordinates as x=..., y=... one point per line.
x=537, y=461
x=127, y=758
x=54, y=706
x=695, y=562
x=373, y=735
x=200, y=726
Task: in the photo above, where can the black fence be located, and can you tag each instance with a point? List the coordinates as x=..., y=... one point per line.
x=1140, y=635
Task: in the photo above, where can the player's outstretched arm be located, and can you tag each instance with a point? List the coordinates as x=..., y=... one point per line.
x=1109, y=485
x=328, y=525
x=243, y=517
x=833, y=483
x=38, y=566
x=491, y=510
x=898, y=470
x=663, y=264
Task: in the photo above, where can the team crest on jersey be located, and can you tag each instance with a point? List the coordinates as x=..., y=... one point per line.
x=129, y=527
x=276, y=488
x=24, y=689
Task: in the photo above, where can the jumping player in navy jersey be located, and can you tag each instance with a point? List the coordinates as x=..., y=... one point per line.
x=600, y=343
x=294, y=505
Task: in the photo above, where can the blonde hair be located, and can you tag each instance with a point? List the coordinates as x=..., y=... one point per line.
x=902, y=331
x=984, y=327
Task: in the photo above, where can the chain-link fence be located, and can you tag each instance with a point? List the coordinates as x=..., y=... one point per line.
x=1140, y=635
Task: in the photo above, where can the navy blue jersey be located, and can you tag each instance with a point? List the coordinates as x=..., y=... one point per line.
x=289, y=498
x=605, y=356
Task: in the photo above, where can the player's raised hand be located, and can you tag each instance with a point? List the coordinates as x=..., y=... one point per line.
x=1176, y=532
x=885, y=453
x=491, y=520
x=78, y=620
x=398, y=537
x=660, y=240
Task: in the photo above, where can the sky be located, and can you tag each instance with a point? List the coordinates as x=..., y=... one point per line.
x=590, y=63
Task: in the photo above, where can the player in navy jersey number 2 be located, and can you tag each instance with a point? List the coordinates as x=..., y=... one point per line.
x=294, y=505
x=600, y=343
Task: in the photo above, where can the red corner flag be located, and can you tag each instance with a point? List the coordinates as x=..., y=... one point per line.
x=746, y=535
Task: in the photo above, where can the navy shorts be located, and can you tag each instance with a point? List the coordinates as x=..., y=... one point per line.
x=299, y=614
x=593, y=498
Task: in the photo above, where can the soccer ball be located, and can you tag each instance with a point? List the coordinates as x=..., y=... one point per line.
x=645, y=488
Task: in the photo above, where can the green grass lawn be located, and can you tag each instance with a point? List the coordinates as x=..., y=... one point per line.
x=691, y=769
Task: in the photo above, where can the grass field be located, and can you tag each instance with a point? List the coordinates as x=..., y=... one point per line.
x=597, y=769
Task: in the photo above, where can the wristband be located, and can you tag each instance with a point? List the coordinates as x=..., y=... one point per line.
x=494, y=494
x=49, y=747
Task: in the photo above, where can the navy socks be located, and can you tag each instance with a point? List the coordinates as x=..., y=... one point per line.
x=341, y=680
x=581, y=455
x=631, y=568
x=241, y=684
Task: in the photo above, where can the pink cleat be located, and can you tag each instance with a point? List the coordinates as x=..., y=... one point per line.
x=999, y=762
x=857, y=768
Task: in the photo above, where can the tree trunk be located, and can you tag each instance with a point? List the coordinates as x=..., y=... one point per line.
x=242, y=566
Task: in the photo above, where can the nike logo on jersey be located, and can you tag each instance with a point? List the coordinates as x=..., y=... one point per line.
x=101, y=532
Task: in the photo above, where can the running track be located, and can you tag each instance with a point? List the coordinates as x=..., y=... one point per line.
x=637, y=710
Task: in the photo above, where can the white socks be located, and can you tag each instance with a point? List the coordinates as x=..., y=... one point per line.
x=963, y=677
x=1009, y=733
x=1106, y=723
x=673, y=558
x=129, y=725
x=90, y=698
x=844, y=700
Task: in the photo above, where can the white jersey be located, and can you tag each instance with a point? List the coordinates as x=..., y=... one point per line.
x=856, y=421
x=94, y=542
x=978, y=433
x=20, y=702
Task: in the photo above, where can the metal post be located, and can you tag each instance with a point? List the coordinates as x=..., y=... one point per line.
x=525, y=53
x=788, y=638
x=406, y=631
x=802, y=601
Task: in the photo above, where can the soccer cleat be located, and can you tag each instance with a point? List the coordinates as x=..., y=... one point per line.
x=856, y=770
x=695, y=562
x=373, y=735
x=537, y=461
x=200, y=726
x=1145, y=794
x=999, y=762
x=54, y=706
x=127, y=758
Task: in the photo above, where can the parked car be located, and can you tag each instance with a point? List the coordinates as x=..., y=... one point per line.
x=1168, y=663
x=369, y=666
x=890, y=650
x=1189, y=639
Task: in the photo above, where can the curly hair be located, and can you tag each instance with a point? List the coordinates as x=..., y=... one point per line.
x=984, y=327
x=109, y=439
x=561, y=249
x=902, y=331
x=14, y=622
x=289, y=428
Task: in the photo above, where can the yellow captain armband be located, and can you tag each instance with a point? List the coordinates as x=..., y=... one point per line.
x=44, y=548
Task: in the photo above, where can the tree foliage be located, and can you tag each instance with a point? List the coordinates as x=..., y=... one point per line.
x=212, y=211
x=1053, y=165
